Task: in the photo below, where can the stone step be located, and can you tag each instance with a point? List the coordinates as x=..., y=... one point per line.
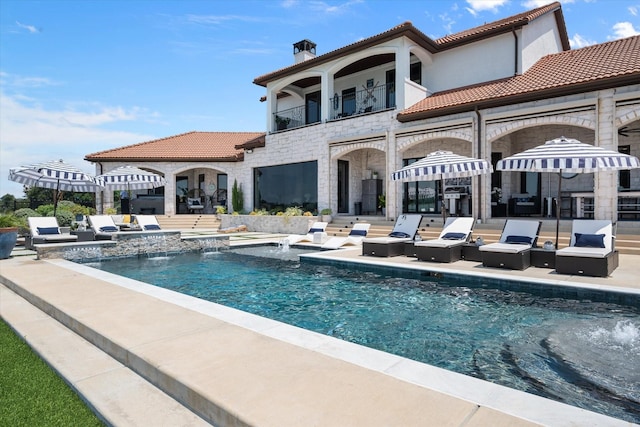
x=189, y=222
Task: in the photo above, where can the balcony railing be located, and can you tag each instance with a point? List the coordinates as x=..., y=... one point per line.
x=291, y=118
x=359, y=102
x=363, y=101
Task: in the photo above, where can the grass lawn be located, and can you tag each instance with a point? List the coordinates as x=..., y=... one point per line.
x=31, y=393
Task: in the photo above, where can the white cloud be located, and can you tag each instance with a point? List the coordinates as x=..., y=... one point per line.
x=482, y=5
x=622, y=30
x=633, y=10
x=29, y=28
x=30, y=133
x=578, y=41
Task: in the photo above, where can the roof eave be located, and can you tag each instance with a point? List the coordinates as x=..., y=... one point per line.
x=407, y=29
x=609, y=83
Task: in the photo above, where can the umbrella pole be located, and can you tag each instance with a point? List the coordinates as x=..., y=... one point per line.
x=558, y=204
x=56, y=194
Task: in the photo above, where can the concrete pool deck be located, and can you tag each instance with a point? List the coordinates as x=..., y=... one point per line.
x=141, y=355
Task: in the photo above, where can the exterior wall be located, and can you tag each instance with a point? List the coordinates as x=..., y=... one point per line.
x=539, y=38
x=470, y=64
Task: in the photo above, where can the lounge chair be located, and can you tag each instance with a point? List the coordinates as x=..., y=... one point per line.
x=448, y=246
x=147, y=222
x=103, y=226
x=317, y=227
x=195, y=205
x=355, y=237
x=513, y=251
x=45, y=229
x=591, y=251
x=404, y=230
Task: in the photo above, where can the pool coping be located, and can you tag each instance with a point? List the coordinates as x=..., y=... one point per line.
x=500, y=398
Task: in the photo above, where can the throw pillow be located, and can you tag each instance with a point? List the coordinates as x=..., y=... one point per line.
x=316, y=230
x=589, y=240
x=152, y=227
x=399, y=234
x=454, y=236
x=108, y=229
x=48, y=230
x=358, y=233
x=521, y=240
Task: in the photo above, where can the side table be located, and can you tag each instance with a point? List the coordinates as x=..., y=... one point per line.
x=471, y=252
x=543, y=258
x=84, y=235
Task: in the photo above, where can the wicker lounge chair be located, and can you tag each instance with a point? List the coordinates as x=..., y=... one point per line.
x=355, y=237
x=103, y=226
x=147, y=222
x=448, y=246
x=591, y=251
x=404, y=230
x=45, y=229
x=513, y=251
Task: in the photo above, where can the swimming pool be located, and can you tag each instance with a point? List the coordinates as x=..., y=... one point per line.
x=580, y=352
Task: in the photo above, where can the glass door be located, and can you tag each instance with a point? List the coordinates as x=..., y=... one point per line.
x=343, y=186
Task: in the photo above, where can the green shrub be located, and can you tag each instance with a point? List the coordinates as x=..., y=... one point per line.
x=25, y=213
x=12, y=220
x=293, y=211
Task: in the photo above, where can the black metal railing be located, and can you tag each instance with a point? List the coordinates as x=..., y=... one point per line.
x=380, y=97
x=364, y=101
x=291, y=118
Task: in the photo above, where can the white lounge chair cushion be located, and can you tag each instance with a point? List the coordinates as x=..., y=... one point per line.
x=507, y=248
x=441, y=243
x=583, y=252
x=456, y=231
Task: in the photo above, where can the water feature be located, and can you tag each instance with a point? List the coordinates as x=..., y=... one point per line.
x=284, y=245
x=83, y=253
x=580, y=352
x=210, y=246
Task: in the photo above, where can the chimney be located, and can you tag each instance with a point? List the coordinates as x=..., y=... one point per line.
x=304, y=50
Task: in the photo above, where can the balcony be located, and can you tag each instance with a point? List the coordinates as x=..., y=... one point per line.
x=351, y=104
x=363, y=101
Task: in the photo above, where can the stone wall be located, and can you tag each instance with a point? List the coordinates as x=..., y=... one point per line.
x=269, y=223
x=131, y=244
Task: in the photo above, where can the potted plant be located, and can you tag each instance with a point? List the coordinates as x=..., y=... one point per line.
x=382, y=203
x=9, y=225
x=326, y=215
x=282, y=122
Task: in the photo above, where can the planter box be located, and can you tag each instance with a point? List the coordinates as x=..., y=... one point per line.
x=270, y=223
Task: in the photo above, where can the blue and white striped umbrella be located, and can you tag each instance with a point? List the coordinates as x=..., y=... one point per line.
x=55, y=175
x=130, y=178
x=568, y=155
x=442, y=165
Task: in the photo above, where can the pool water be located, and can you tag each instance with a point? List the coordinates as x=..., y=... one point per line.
x=582, y=353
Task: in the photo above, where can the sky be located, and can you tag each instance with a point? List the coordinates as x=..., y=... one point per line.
x=82, y=76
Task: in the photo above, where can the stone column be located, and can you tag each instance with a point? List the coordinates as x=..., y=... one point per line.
x=606, y=183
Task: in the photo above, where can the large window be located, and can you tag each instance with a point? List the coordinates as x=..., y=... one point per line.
x=312, y=109
x=420, y=196
x=279, y=187
x=348, y=102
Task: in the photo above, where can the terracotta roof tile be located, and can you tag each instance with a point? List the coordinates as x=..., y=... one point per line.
x=211, y=146
x=598, y=66
x=408, y=30
x=501, y=25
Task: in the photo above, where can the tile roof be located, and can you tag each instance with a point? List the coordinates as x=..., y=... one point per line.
x=595, y=67
x=507, y=25
x=407, y=29
x=199, y=146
